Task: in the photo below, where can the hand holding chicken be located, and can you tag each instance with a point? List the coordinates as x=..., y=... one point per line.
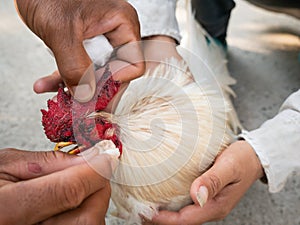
x=50, y=188
x=64, y=25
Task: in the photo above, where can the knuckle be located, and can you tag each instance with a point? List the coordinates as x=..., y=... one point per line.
x=43, y=157
x=46, y=157
x=232, y=165
x=9, y=156
x=125, y=8
x=214, y=183
x=73, y=193
x=54, y=155
x=4, y=153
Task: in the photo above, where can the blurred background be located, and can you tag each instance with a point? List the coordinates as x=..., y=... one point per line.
x=264, y=58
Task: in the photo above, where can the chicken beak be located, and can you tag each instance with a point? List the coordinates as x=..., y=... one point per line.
x=76, y=150
x=61, y=145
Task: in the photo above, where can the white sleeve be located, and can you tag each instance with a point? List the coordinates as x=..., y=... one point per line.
x=277, y=143
x=157, y=17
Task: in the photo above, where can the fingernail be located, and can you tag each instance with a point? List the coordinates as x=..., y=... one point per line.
x=202, y=195
x=82, y=92
x=86, y=87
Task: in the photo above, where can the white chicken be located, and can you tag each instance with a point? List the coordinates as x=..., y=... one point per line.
x=173, y=121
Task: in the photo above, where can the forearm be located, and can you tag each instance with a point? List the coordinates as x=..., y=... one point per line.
x=276, y=143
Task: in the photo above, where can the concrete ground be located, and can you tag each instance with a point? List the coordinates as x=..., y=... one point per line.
x=264, y=57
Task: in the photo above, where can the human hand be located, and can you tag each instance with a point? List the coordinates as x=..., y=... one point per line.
x=234, y=171
x=64, y=24
x=51, y=188
x=157, y=49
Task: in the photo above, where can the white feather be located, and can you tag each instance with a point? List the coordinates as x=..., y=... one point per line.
x=173, y=122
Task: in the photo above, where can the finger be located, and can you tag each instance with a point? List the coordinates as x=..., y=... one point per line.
x=133, y=62
x=121, y=71
x=210, y=183
x=232, y=166
x=27, y=165
x=43, y=197
x=158, y=49
x=130, y=53
x=92, y=211
x=120, y=26
x=215, y=209
x=165, y=218
x=125, y=36
x=74, y=65
x=48, y=83
x=192, y=214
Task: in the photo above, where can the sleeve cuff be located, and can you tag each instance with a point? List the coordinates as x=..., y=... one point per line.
x=275, y=145
x=157, y=17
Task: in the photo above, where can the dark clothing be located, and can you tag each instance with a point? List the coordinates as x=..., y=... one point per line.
x=278, y=3
x=214, y=15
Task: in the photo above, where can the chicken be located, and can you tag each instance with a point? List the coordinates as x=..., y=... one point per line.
x=66, y=122
x=172, y=123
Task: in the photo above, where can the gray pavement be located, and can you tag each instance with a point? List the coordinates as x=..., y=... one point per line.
x=264, y=56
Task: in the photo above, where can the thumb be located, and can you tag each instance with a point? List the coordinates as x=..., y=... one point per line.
x=27, y=165
x=48, y=83
x=210, y=183
x=75, y=66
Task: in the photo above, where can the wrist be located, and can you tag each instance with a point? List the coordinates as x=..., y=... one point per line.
x=158, y=49
x=251, y=159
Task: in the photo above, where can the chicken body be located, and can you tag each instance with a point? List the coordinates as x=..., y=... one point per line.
x=173, y=122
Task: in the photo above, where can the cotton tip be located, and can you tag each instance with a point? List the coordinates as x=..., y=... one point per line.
x=99, y=49
x=106, y=147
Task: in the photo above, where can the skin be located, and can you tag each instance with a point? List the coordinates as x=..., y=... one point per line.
x=165, y=44
x=227, y=181
x=52, y=188
x=64, y=24
x=152, y=57
x=233, y=172
x=79, y=201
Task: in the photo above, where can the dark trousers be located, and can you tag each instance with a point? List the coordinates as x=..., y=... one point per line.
x=214, y=15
